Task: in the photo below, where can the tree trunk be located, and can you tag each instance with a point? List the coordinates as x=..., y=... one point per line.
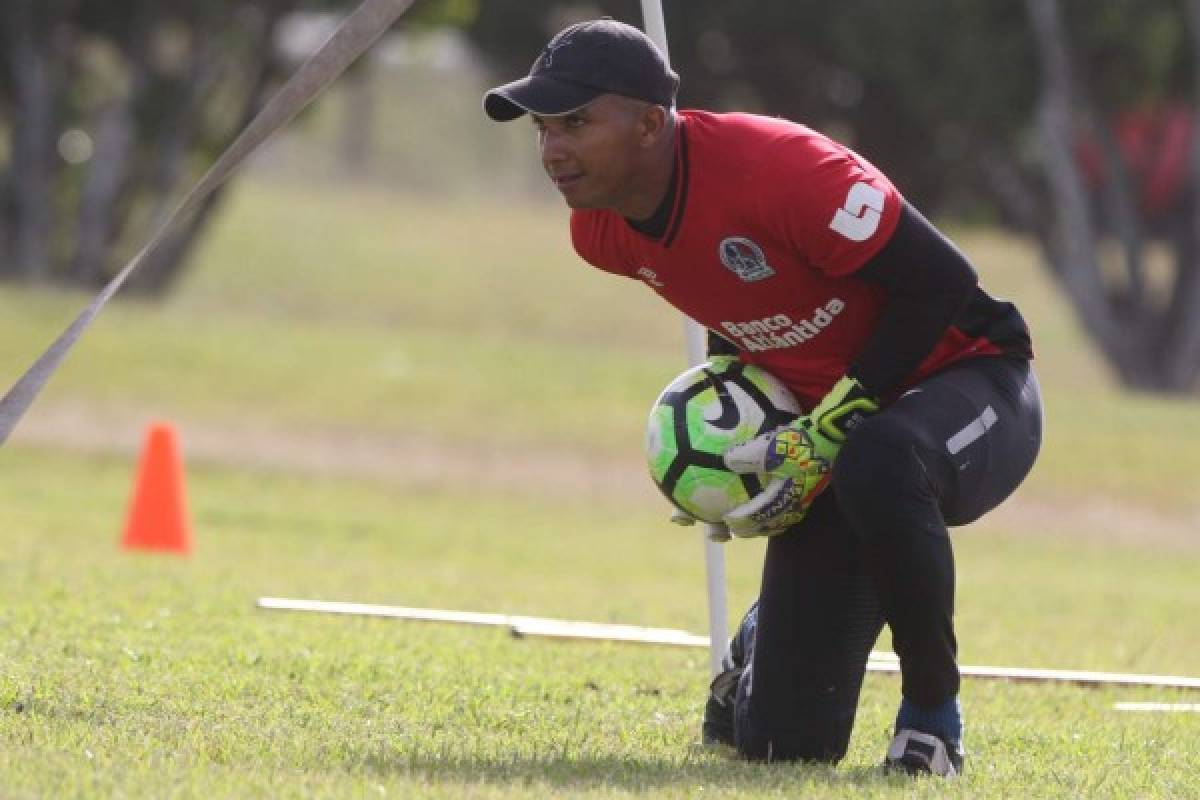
x=33, y=136
x=110, y=171
x=1183, y=320
x=1073, y=240
x=162, y=268
x=107, y=175
x=1121, y=214
x=168, y=173
x=1181, y=331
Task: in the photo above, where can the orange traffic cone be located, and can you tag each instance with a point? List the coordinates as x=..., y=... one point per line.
x=158, y=517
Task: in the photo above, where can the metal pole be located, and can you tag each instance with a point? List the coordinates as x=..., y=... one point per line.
x=714, y=556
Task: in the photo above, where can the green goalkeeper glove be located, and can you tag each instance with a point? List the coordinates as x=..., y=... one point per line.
x=714, y=531
x=799, y=456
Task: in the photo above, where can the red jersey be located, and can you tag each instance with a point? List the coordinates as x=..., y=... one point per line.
x=770, y=221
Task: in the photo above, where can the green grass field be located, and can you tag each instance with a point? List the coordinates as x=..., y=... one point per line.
x=339, y=364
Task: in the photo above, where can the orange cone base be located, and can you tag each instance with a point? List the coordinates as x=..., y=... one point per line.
x=158, y=518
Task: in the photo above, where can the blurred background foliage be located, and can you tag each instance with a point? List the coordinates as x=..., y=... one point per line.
x=1065, y=121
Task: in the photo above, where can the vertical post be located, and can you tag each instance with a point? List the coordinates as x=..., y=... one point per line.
x=714, y=556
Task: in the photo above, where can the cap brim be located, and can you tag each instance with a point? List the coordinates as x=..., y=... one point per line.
x=536, y=94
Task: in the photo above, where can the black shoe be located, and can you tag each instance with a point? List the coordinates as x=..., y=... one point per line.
x=717, y=727
x=919, y=753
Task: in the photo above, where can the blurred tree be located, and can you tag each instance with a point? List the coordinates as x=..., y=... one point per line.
x=1068, y=120
x=978, y=111
x=1121, y=170
x=111, y=108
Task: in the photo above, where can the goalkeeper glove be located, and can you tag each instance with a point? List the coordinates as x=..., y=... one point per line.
x=715, y=532
x=799, y=456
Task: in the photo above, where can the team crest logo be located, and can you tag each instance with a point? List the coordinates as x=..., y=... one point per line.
x=745, y=259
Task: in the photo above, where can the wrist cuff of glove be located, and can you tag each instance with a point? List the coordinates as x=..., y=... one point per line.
x=843, y=409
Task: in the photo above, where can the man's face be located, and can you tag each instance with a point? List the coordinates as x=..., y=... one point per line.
x=592, y=155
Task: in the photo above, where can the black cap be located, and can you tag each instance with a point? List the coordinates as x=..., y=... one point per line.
x=581, y=63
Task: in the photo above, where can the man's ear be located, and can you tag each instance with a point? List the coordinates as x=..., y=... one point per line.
x=652, y=124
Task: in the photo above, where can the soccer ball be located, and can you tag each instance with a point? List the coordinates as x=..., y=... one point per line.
x=700, y=414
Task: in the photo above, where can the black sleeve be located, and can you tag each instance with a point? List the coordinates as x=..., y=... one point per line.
x=718, y=345
x=927, y=282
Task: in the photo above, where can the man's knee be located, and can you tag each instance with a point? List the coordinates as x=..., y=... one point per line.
x=821, y=735
x=769, y=746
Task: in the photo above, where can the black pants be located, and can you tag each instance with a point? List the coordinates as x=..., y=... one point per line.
x=875, y=548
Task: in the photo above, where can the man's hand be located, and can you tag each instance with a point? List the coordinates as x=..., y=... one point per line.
x=799, y=456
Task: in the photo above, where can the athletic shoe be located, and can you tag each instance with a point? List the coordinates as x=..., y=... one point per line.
x=717, y=727
x=919, y=753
